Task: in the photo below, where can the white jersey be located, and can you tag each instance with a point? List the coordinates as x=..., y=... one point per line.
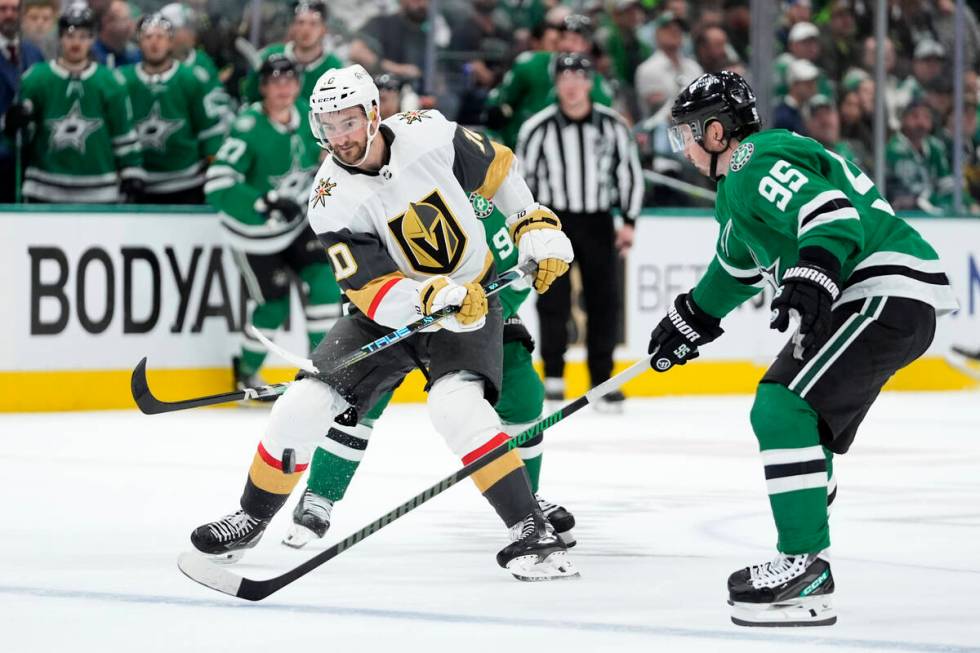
x=415, y=217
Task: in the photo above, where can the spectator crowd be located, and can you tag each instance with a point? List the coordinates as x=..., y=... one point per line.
x=80, y=84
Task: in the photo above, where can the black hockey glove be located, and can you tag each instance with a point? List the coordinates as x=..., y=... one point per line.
x=18, y=116
x=808, y=292
x=678, y=336
x=131, y=189
x=277, y=208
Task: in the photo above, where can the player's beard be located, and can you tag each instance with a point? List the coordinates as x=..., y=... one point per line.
x=351, y=155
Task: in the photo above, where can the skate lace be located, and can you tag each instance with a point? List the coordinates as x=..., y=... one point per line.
x=523, y=529
x=319, y=507
x=778, y=571
x=233, y=526
x=546, y=506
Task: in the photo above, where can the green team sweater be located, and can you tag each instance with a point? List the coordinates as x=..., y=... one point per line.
x=217, y=101
x=528, y=87
x=915, y=174
x=505, y=257
x=309, y=73
x=784, y=192
x=177, y=129
x=257, y=157
x=83, y=140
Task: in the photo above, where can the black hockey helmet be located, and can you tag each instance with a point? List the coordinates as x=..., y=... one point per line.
x=387, y=82
x=155, y=20
x=76, y=16
x=277, y=65
x=573, y=61
x=301, y=6
x=723, y=97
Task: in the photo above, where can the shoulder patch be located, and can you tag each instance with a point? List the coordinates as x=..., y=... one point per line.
x=244, y=122
x=324, y=188
x=410, y=117
x=741, y=156
x=482, y=206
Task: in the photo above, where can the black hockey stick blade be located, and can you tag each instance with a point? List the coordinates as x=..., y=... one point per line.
x=150, y=405
x=219, y=577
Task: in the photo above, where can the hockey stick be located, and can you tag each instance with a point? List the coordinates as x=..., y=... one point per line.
x=963, y=362
x=150, y=405
x=200, y=569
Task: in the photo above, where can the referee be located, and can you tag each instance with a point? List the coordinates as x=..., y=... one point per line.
x=580, y=159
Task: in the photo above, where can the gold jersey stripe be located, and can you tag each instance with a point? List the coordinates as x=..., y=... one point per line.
x=363, y=298
x=266, y=477
x=497, y=170
x=492, y=473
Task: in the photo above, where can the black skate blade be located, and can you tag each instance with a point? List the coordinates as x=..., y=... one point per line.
x=784, y=624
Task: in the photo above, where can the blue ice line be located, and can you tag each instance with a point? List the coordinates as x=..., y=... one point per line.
x=410, y=615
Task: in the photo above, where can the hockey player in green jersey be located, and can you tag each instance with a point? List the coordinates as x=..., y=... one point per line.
x=178, y=130
x=307, y=49
x=864, y=287
x=521, y=402
x=529, y=86
x=259, y=182
x=83, y=148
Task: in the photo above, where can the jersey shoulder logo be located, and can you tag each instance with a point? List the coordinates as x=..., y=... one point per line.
x=429, y=235
x=741, y=156
x=482, y=206
x=410, y=117
x=324, y=187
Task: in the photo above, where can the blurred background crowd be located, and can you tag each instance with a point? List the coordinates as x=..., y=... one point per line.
x=487, y=64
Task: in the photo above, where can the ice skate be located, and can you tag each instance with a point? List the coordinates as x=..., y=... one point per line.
x=227, y=539
x=611, y=404
x=792, y=590
x=311, y=519
x=536, y=552
x=560, y=519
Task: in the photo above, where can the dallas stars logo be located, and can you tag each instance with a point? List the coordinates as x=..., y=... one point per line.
x=154, y=130
x=741, y=156
x=482, y=207
x=413, y=116
x=322, y=191
x=72, y=129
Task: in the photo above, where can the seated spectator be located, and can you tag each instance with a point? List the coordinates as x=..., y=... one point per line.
x=803, y=45
x=177, y=129
x=737, y=23
x=794, y=12
x=481, y=45
x=712, y=50
x=856, y=126
x=114, y=47
x=918, y=167
x=667, y=71
x=893, y=100
x=306, y=47
x=16, y=56
x=802, y=77
x=38, y=25
x=838, y=44
x=83, y=148
x=944, y=20
x=823, y=125
x=971, y=148
x=938, y=94
x=930, y=57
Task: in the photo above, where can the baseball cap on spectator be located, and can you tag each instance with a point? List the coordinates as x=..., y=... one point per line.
x=579, y=24
x=802, y=31
x=853, y=78
x=817, y=102
x=669, y=18
x=177, y=13
x=572, y=61
x=801, y=70
x=928, y=48
x=917, y=100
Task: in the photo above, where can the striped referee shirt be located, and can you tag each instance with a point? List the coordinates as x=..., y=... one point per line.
x=582, y=166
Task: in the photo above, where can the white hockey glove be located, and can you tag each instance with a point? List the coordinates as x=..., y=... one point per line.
x=537, y=232
x=439, y=292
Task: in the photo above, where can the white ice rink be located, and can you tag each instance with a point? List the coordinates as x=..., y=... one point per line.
x=670, y=498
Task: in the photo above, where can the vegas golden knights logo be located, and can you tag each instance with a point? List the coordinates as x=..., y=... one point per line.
x=429, y=235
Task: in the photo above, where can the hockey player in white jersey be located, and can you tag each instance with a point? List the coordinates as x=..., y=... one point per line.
x=393, y=206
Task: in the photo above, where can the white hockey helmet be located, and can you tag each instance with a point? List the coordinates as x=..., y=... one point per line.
x=342, y=88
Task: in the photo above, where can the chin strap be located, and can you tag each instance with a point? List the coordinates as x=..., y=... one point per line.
x=713, y=170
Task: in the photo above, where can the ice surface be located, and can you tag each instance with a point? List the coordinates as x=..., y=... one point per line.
x=670, y=499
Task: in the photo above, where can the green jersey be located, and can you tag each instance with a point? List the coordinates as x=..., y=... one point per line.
x=784, y=192
x=919, y=179
x=217, y=101
x=261, y=155
x=308, y=74
x=177, y=131
x=504, y=256
x=84, y=140
x=528, y=87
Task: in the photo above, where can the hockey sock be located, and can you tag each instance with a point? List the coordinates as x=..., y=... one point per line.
x=270, y=480
x=267, y=318
x=795, y=468
x=521, y=403
x=334, y=462
x=504, y=482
